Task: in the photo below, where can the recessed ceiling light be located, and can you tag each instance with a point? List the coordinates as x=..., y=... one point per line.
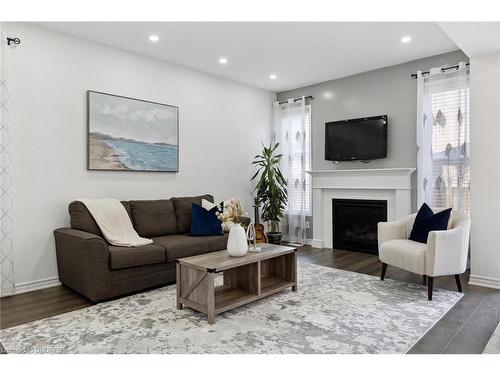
x=406, y=39
x=223, y=60
x=273, y=76
x=154, y=38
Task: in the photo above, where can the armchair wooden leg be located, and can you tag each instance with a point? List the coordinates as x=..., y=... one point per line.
x=384, y=268
x=424, y=279
x=430, y=280
x=459, y=284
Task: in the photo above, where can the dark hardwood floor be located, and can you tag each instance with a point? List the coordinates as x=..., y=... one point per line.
x=466, y=328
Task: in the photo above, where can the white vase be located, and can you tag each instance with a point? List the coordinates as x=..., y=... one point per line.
x=237, y=245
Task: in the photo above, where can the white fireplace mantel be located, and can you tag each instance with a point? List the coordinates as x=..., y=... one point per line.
x=390, y=184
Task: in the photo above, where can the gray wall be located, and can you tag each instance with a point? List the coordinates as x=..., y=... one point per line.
x=388, y=91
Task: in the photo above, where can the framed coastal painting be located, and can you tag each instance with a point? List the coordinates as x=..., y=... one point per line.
x=126, y=134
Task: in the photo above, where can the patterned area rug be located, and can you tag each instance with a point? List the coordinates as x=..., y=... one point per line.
x=334, y=311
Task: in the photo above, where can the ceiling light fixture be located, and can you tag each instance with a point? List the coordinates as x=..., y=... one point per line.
x=273, y=76
x=223, y=60
x=406, y=39
x=154, y=38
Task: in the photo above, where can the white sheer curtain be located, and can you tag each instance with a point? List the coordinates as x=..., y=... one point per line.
x=443, y=138
x=7, y=285
x=292, y=129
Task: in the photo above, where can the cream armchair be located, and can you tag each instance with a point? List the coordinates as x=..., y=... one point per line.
x=444, y=254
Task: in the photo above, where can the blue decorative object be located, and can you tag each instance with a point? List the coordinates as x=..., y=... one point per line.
x=427, y=221
x=205, y=222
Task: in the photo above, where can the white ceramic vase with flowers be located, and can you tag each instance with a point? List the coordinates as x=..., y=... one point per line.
x=230, y=216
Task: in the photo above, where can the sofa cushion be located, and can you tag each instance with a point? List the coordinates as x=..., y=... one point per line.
x=82, y=219
x=127, y=208
x=181, y=246
x=153, y=218
x=406, y=254
x=217, y=243
x=124, y=257
x=183, y=206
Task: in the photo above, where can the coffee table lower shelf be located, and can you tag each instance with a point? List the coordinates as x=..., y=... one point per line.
x=227, y=298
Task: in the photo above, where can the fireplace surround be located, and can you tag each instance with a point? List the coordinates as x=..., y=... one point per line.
x=354, y=223
x=390, y=184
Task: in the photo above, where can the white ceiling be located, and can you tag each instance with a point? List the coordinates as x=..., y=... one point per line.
x=299, y=53
x=474, y=38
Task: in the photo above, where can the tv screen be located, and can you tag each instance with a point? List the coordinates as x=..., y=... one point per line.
x=356, y=139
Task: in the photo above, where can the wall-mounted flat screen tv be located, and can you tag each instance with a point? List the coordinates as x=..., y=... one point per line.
x=356, y=139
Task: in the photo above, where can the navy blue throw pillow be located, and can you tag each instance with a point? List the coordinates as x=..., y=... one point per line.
x=205, y=222
x=427, y=221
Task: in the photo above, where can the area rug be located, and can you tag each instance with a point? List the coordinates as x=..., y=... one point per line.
x=334, y=311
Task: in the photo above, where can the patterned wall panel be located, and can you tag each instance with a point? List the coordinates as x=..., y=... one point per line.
x=6, y=220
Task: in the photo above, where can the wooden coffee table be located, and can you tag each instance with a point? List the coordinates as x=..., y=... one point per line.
x=245, y=279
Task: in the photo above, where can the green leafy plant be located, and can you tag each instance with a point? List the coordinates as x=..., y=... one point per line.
x=271, y=186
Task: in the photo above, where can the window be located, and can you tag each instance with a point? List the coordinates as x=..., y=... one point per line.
x=450, y=148
x=292, y=129
x=443, y=139
x=298, y=135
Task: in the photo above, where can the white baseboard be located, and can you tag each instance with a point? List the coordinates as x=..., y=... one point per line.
x=487, y=282
x=307, y=241
x=317, y=243
x=30, y=286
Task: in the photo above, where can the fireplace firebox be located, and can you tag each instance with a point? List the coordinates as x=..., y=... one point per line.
x=355, y=223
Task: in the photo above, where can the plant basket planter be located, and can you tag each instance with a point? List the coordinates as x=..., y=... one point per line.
x=274, y=237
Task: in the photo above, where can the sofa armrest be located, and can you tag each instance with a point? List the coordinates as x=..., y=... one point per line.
x=83, y=262
x=395, y=230
x=79, y=234
x=391, y=230
x=446, y=253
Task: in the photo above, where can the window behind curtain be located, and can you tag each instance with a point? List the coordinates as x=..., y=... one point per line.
x=443, y=138
x=450, y=148
x=300, y=126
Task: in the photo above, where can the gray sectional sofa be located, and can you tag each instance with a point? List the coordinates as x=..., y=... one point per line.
x=88, y=264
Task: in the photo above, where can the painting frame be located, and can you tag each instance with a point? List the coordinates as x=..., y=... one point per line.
x=89, y=128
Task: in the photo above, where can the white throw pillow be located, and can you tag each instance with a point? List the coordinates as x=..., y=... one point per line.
x=207, y=205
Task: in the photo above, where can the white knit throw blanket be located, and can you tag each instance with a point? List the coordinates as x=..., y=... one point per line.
x=114, y=222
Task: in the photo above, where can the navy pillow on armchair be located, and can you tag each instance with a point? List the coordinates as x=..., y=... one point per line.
x=427, y=221
x=205, y=222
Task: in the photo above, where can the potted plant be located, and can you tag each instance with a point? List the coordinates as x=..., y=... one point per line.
x=271, y=189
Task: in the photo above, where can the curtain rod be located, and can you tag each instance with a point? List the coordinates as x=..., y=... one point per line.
x=296, y=99
x=414, y=75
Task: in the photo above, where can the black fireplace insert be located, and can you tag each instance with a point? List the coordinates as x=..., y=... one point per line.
x=355, y=224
